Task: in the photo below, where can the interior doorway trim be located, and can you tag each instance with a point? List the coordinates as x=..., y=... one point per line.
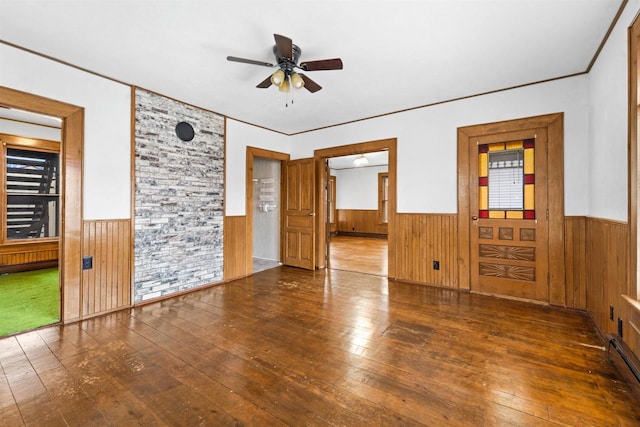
x=555, y=178
x=320, y=157
x=632, y=159
x=71, y=152
x=253, y=152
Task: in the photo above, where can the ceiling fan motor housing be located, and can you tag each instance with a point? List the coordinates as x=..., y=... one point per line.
x=287, y=65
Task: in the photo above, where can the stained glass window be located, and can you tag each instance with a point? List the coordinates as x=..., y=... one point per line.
x=506, y=180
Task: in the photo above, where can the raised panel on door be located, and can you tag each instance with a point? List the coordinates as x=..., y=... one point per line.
x=299, y=249
x=293, y=187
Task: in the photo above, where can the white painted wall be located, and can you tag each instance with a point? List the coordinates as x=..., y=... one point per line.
x=427, y=159
x=595, y=134
x=357, y=188
x=107, y=142
x=608, y=91
x=238, y=136
x=28, y=130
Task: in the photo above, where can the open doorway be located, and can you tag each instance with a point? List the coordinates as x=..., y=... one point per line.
x=323, y=235
x=264, y=181
x=30, y=210
x=266, y=213
x=72, y=142
x=358, y=212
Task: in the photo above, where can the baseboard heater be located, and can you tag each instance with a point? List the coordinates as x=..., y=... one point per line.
x=627, y=357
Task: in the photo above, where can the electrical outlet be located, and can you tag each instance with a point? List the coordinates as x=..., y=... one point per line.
x=610, y=312
x=87, y=262
x=620, y=327
x=436, y=265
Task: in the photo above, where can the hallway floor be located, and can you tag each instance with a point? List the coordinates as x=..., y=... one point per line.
x=360, y=254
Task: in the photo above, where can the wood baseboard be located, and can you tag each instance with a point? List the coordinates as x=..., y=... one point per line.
x=17, y=268
x=356, y=234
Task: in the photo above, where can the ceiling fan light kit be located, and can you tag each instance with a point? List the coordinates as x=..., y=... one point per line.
x=277, y=78
x=285, y=86
x=297, y=81
x=287, y=55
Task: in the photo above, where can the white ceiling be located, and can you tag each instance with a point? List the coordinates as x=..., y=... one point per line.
x=377, y=158
x=27, y=117
x=397, y=54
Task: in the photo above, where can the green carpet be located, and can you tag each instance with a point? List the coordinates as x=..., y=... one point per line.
x=28, y=300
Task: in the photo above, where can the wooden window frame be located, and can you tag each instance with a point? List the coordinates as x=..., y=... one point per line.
x=381, y=177
x=28, y=144
x=332, y=199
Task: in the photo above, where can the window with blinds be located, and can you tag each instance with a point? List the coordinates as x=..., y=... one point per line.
x=506, y=180
x=32, y=188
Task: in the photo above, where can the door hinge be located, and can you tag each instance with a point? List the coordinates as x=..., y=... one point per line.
x=546, y=147
x=547, y=214
x=548, y=278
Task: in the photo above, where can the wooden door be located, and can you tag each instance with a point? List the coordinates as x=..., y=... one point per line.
x=509, y=217
x=299, y=233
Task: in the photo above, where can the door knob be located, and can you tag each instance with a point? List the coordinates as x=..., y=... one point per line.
x=475, y=218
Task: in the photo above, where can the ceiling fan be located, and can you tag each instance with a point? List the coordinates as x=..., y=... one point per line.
x=287, y=55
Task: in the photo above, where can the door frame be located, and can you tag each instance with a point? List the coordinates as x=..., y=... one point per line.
x=71, y=156
x=320, y=156
x=253, y=152
x=554, y=123
x=633, y=154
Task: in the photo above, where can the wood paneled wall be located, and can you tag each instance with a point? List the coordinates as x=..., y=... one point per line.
x=575, y=253
x=605, y=270
x=107, y=286
x=422, y=239
x=235, y=248
x=360, y=221
x=27, y=253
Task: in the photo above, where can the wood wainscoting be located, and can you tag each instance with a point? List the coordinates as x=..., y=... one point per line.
x=235, y=248
x=360, y=221
x=28, y=256
x=107, y=286
x=422, y=239
x=606, y=270
x=575, y=238
x=595, y=254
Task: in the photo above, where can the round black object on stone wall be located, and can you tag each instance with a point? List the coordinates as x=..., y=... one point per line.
x=184, y=131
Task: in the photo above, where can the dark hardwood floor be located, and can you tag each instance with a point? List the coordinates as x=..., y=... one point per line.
x=291, y=347
x=362, y=254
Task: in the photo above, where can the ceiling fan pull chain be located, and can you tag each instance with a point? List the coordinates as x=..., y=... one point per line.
x=286, y=94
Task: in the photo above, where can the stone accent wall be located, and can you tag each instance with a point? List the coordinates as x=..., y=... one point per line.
x=178, y=197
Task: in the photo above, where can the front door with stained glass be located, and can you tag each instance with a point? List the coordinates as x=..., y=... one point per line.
x=508, y=215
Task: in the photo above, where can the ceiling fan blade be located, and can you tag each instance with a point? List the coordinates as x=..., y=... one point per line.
x=285, y=46
x=248, y=61
x=265, y=83
x=309, y=84
x=323, y=64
